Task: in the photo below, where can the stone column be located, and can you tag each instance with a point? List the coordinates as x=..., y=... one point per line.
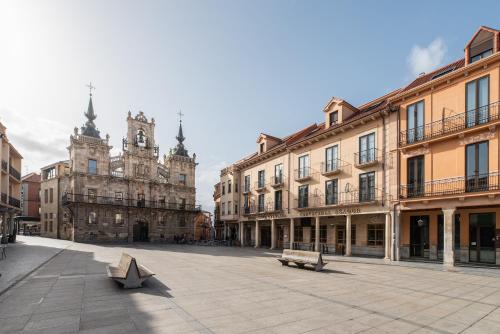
x=316, y=235
x=292, y=232
x=257, y=234
x=449, y=238
x=348, y=251
x=387, y=239
x=397, y=235
x=273, y=234
x=242, y=236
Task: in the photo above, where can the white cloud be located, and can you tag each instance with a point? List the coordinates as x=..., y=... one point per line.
x=426, y=59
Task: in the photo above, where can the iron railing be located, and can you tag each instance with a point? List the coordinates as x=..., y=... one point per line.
x=277, y=181
x=15, y=173
x=5, y=165
x=260, y=185
x=331, y=167
x=14, y=202
x=452, y=186
x=370, y=196
x=267, y=207
x=4, y=198
x=303, y=174
x=69, y=198
x=368, y=157
x=448, y=125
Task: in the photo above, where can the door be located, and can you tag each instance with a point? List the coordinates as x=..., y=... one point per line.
x=340, y=240
x=331, y=159
x=367, y=187
x=482, y=238
x=476, y=167
x=281, y=236
x=367, y=148
x=303, y=166
x=477, y=100
x=415, y=176
x=265, y=236
x=415, y=125
x=419, y=236
x=141, y=232
x=248, y=235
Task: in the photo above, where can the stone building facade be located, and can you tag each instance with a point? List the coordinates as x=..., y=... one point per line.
x=128, y=197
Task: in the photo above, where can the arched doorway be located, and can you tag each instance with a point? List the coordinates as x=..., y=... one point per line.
x=141, y=231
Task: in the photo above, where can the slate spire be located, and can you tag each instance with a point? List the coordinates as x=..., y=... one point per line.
x=89, y=129
x=180, y=149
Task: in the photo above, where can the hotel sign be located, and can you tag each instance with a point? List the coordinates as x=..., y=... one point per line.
x=331, y=212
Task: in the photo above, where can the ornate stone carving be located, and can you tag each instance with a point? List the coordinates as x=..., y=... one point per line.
x=418, y=151
x=477, y=138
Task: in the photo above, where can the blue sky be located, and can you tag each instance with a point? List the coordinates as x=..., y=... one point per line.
x=235, y=68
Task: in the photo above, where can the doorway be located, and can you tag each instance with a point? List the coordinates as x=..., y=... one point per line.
x=281, y=237
x=248, y=235
x=141, y=231
x=265, y=236
x=419, y=236
x=340, y=240
x=482, y=238
x=440, y=237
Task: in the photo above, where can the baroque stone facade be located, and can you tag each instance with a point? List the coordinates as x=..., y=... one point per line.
x=129, y=197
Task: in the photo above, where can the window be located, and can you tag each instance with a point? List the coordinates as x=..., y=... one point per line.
x=223, y=210
x=51, y=195
x=261, y=147
x=92, y=218
x=161, y=200
x=322, y=233
x=261, y=179
x=141, y=200
x=261, y=203
x=236, y=209
x=353, y=234
x=303, y=166
x=223, y=188
x=182, y=179
x=92, y=166
x=331, y=158
x=476, y=172
x=49, y=173
x=92, y=195
x=304, y=196
x=50, y=226
x=118, y=219
x=278, y=200
x=229, y=186
x=367, y=187
x=334, y=118
x=278, y=174
x=477, y=101
x=298, y=233
x=375, y=234
x=482, y=55
x=331, y=192
x=161, y=219
x=183, y=204
x=415, y=124
x=367, y=148
x=46, y=196
x=229, y=206
x=118, y=196
x=51, y=215
x=416, y=176
x=141, y=139
x=182, y=221
x=246, y=203
x=247, y=183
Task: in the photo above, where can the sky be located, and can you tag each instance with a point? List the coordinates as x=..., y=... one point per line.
x=235, y=68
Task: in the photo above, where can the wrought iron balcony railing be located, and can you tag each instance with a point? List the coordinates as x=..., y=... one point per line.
x=260, y=185
x=277, y=181
x=69, y=198
x=368, y=157
x=14, y=202
x=452, y=186
x=303, y=174
x=370, y=196
x=333, y=167
x=453, y=124
x=5, y=166
x=4, y=198
x=15, y=173
x=267, y=207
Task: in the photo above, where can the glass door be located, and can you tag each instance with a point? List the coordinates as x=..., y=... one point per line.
x=415, y=125
x=416, y=176
x=476, y=173
x=477, y=101
x=331, y=159
x=367, y=148
x=419, y=236
x=482, y=238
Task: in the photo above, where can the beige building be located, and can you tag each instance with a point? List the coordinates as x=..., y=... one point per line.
x=10, y=183
x=54, y=182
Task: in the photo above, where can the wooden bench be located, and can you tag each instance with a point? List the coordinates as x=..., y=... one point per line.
x=301, y=258
x=128, y=272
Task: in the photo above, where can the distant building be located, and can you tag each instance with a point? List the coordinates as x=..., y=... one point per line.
x=30, y=201
x=218, y=224
x=10, y=183
x=54, y=182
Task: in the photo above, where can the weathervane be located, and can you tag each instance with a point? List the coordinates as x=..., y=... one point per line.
x=180, y=116
x=90, y=88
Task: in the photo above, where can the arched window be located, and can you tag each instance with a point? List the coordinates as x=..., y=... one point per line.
x=141, y=138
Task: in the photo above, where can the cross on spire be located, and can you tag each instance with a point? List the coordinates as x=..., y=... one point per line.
x=90, y=88
x=180, y=116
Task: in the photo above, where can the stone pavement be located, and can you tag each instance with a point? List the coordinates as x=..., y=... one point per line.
x=22, y=259
x=231, y=290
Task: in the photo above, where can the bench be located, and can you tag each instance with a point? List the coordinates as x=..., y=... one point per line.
x=301, y=258
x=128, y=272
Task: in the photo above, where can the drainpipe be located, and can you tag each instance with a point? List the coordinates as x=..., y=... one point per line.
x=384, y=156
x=289, y=180
x=395, y=220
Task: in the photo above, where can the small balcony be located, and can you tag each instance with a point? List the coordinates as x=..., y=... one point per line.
x=14, y=173
x=266, y=208
x=368, y=158
x=4, y=198
x=449, y=125
x=481, y=183
x=5, y=166
x=14, y=202
x=277, y=181
x=303, y=174
x=332, y=167
x=371, y=196
x=260, y=186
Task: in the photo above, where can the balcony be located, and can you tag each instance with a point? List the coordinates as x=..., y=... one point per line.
x=453, y=186
x=4, y=198
x=5, y=166
x=14, y=202
x=450, y=125
x=266, y=208
x=368, y=158
x=371, y=196
x=277, y=181
x=303, y=174
x=333, y=167
x=69, y=198
x=260, y=186
x=14, y=173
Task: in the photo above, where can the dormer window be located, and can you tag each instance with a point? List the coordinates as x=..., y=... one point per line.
x=334, y=118
x=482, y=55
x=261, y=148
x=482, y=44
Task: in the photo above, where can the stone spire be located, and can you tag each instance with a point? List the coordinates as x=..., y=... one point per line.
x=180, y=149
x=89, y=128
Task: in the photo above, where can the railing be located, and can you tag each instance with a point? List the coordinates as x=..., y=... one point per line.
x=260, y=185
x=302, y=174
x=14, y=202
x=15, y=173
x=128, y=202
x=267, y=207
x=344, y=198
x=4, y=198
x=368, y=157
x=5, y=165
x=452, y=124
x=331, y=167
x=452, y=186
x=277, y=181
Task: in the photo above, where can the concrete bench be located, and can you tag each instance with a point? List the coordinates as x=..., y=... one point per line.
x=301, y=258
x=128, y=272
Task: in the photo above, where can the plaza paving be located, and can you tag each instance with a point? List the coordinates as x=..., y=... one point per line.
x=231, y=290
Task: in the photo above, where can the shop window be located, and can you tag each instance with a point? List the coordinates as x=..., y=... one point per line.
x=375, y=234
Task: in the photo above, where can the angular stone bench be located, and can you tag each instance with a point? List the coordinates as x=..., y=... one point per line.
x=301, y=258
x=128, y=272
